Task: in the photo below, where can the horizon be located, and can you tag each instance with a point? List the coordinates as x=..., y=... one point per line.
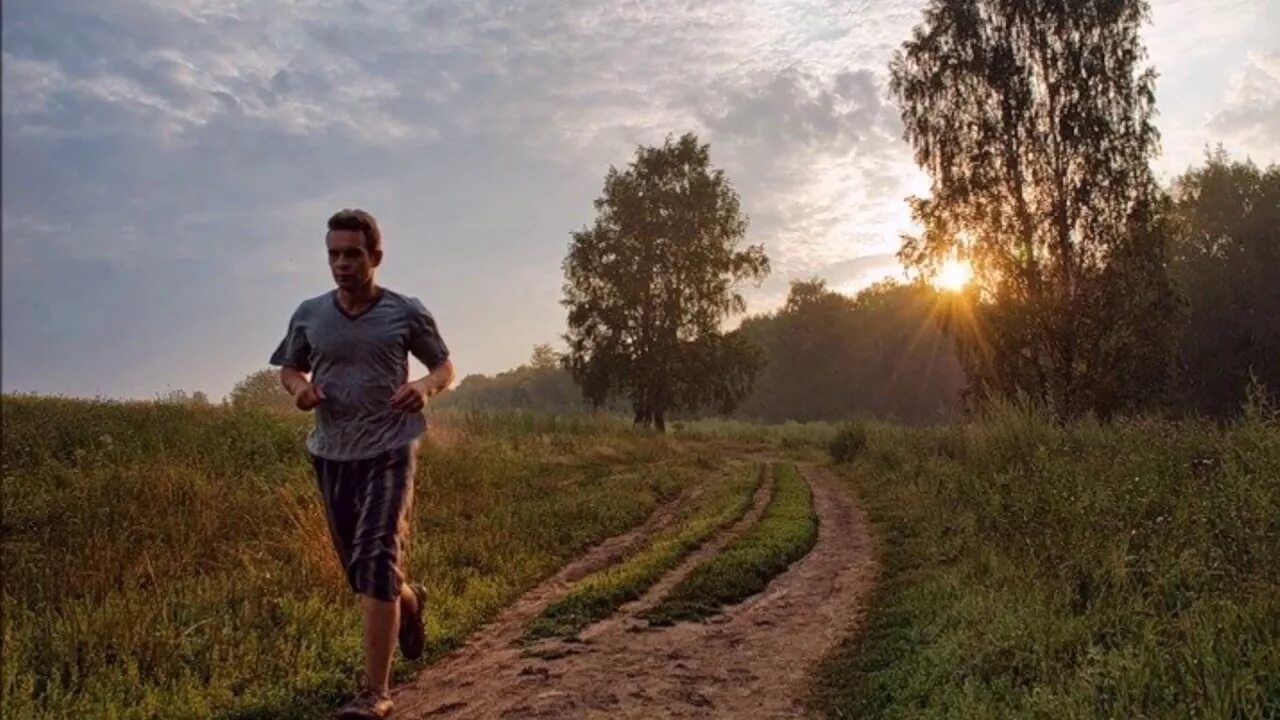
x=164, y=245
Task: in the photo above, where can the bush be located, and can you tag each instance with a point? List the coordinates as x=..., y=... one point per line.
x=849, y=442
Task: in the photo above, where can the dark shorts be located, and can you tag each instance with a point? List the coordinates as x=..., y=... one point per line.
x=368, y=505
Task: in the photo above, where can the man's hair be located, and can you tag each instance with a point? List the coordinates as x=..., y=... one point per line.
x=361, y=222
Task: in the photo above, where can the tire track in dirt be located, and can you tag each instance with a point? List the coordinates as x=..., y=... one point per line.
x=753, y=662
x=502, y=633
x=626, y=616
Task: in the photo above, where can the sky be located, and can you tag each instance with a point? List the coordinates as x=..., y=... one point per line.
x=168, y=165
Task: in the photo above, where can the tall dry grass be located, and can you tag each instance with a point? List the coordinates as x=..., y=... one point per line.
x=1034, y=570
x=169, y=561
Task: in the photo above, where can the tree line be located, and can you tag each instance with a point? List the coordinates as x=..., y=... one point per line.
x=822, y=356
x=885, y=352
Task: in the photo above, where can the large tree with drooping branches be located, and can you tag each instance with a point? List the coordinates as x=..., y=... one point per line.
x=1033, y=120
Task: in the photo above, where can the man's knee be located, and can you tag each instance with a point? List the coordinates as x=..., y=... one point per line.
x=377, y=577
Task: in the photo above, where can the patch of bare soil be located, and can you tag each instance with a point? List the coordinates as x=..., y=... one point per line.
x=753, y=662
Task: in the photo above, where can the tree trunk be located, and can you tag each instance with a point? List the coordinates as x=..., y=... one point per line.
x=644, y=416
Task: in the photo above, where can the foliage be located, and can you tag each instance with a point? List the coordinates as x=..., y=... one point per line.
x=166, y=560
x=262, y=390
x=785, y=435
x=1226, y=260
x=785, y=533
x=544, y=357
x=849, y=442
x=598, y=595
x=1035, y=570
x=829, y=356
x=181, y=397
x=822, y=356
x=1033, y=120
x=648, y=285
x=541, y=385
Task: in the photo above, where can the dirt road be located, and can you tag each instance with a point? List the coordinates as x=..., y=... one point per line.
x=753, y=662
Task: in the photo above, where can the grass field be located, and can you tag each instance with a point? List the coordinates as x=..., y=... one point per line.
x=169, y=561
x=598, y=595
x=1037, y=571
x=785, y=532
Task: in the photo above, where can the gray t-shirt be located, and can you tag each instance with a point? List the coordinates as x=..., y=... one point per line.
x=358, y=362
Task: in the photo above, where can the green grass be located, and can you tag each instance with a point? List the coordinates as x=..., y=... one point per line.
x=784, y=534
x=166, y=561
x=788, y=435
x=598, y=595
x=1039, y=571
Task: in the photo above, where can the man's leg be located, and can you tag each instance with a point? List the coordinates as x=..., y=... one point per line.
x=408, y=601
x=381, y=628
x=412, y=600
x=380, y=528
x=342, y=484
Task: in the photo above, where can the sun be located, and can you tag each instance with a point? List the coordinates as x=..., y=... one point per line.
x=954, y=275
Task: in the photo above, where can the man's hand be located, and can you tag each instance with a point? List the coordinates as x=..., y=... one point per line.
x=411, y=396
x=308, y=396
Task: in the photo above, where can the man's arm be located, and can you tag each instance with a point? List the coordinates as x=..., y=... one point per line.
x=438, y=379
x=428, y=347
x=412, y=396
x=305, y=395
x=293, y=379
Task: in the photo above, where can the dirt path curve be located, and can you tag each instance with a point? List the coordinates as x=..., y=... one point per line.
x=753, y=662
x=490, y=642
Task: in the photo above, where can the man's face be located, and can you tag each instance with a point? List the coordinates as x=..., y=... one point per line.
x=352, y=265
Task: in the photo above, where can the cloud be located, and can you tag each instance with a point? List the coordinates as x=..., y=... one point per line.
x=852, y=275
x=214, y=92
x=194, y=148
x=1250, y=118
x=155, y=139
x=818, y=160
x=792, y=107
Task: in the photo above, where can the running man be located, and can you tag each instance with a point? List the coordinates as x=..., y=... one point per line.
x=354, y=343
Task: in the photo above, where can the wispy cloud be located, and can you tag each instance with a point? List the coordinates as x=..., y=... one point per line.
x=1250, y=117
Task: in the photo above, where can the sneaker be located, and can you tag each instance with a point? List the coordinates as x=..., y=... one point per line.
x=413, y=632
x=369, y=704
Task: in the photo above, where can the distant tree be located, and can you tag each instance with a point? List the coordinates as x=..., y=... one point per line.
x=544, y=357
x=806, y=295
x=829, y=356
x=649, y=284
x=542, y=385
x=262, y=390
x=179, y=396
x=1033, y=119
x=1226, y=260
